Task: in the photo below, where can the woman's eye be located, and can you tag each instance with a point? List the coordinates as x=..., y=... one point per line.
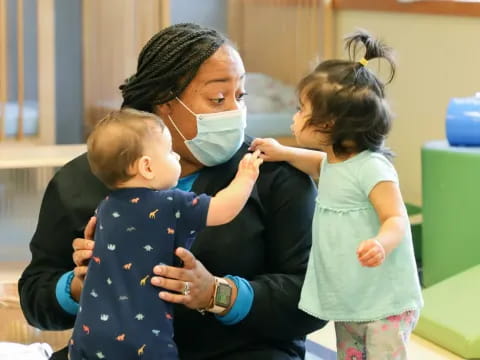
x=241, y=96
x=218, y=101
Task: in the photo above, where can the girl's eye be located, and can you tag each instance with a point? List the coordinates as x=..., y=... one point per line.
x=241, y=96
x=218, y=101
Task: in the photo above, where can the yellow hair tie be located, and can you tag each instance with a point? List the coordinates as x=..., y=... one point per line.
x=363, y=61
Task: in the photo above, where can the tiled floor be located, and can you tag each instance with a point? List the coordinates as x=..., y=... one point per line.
x=419, y=349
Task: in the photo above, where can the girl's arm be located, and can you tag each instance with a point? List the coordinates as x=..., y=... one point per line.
x=388, y=203
x=307, y=161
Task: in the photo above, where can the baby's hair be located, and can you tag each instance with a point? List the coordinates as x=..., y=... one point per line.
x=117, y=141
x=348, y=99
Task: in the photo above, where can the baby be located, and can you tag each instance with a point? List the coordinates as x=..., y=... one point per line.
x=139, y=225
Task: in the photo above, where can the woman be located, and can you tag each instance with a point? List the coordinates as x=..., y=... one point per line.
x=244, y=277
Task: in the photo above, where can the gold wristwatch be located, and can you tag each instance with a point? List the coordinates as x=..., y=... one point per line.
x=222, y=296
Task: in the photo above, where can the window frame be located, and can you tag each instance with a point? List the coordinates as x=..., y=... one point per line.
x=438, y=7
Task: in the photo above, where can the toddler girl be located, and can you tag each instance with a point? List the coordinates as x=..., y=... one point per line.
x=361, y=272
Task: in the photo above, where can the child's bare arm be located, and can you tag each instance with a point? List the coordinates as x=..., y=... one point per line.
x=307, y=161
x=227, y=203
x=388, y=203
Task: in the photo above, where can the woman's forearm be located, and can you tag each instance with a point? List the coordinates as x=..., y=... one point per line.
x=76, y=288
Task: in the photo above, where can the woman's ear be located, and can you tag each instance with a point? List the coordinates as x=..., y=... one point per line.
x=328, y=125
x=144, y=167
x=163, y=110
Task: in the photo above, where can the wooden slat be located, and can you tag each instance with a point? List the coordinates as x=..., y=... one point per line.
x=3, y=65
x=299, y=29
x=164, y=13
x=46, y=70
x=20, y=69
x=328, y=39
x=120, y=27
x=445, y=7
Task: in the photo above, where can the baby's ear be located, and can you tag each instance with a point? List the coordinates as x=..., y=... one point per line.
x=144, y=167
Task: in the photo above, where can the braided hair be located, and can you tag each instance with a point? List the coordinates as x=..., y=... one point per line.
x=168, y=63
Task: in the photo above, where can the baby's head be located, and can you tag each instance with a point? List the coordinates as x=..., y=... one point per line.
x=342, y=102
x=130, y=148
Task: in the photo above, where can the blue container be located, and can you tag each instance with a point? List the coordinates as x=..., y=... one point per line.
x=463, y=121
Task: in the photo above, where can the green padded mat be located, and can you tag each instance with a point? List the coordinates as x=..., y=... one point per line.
x=451, y=210
x=451, y=316
x=415, y=215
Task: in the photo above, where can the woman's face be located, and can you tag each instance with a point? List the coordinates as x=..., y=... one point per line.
x=219, y=85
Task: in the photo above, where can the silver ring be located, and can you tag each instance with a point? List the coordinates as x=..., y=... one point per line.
x=186, y=288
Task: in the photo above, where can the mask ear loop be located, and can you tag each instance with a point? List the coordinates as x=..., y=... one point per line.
x=176, y=128
x=185, y=106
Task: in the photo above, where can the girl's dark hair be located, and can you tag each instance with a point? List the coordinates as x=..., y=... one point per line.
x=167, y=64
x=348, y=96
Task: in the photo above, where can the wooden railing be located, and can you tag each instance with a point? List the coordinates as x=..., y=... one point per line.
x=438, y=7
x=299, y=33
x=44, y=72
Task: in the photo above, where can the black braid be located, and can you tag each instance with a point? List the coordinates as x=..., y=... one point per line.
x=167, y=64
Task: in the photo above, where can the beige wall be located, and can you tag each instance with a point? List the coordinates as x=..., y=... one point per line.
x=439, y=58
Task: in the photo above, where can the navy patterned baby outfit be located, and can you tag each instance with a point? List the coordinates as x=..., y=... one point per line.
x=120, y=314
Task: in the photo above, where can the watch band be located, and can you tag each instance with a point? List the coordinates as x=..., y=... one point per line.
x=222, y=295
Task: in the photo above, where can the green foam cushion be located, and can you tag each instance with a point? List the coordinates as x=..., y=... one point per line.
x=451, y=204
x=451, y=316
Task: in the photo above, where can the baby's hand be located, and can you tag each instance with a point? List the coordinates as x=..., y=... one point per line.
x=371, y=253
x=271, y=149
x=249, y=165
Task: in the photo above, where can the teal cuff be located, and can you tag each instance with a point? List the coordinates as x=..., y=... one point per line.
x=64, y=297
x=243, y=302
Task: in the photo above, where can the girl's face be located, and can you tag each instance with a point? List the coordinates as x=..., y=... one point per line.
x=305, y=134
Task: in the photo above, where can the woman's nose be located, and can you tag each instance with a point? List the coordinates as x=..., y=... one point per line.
x=235, y=104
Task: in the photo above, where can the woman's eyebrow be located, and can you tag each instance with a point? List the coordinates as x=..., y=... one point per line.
x=222, y=80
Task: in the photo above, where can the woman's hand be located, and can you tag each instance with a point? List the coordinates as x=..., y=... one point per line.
x=201, y=282
x=82, y=252
x=371, y=253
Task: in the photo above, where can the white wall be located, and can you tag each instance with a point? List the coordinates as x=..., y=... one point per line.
x=439, y=58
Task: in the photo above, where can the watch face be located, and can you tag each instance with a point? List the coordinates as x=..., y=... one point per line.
x=223, y=295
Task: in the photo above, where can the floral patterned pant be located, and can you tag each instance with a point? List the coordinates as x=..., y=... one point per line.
x=384, y=339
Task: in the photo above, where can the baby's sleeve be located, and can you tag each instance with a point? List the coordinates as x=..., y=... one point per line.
x=374, y=170
x=191, y=212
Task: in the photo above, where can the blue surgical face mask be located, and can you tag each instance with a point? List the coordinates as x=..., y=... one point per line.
x=219, y=135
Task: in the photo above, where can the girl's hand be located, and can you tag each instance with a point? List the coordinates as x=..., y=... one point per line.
x=271, y=149
x=82, y=252
x=371, y=253
x=201, y=282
